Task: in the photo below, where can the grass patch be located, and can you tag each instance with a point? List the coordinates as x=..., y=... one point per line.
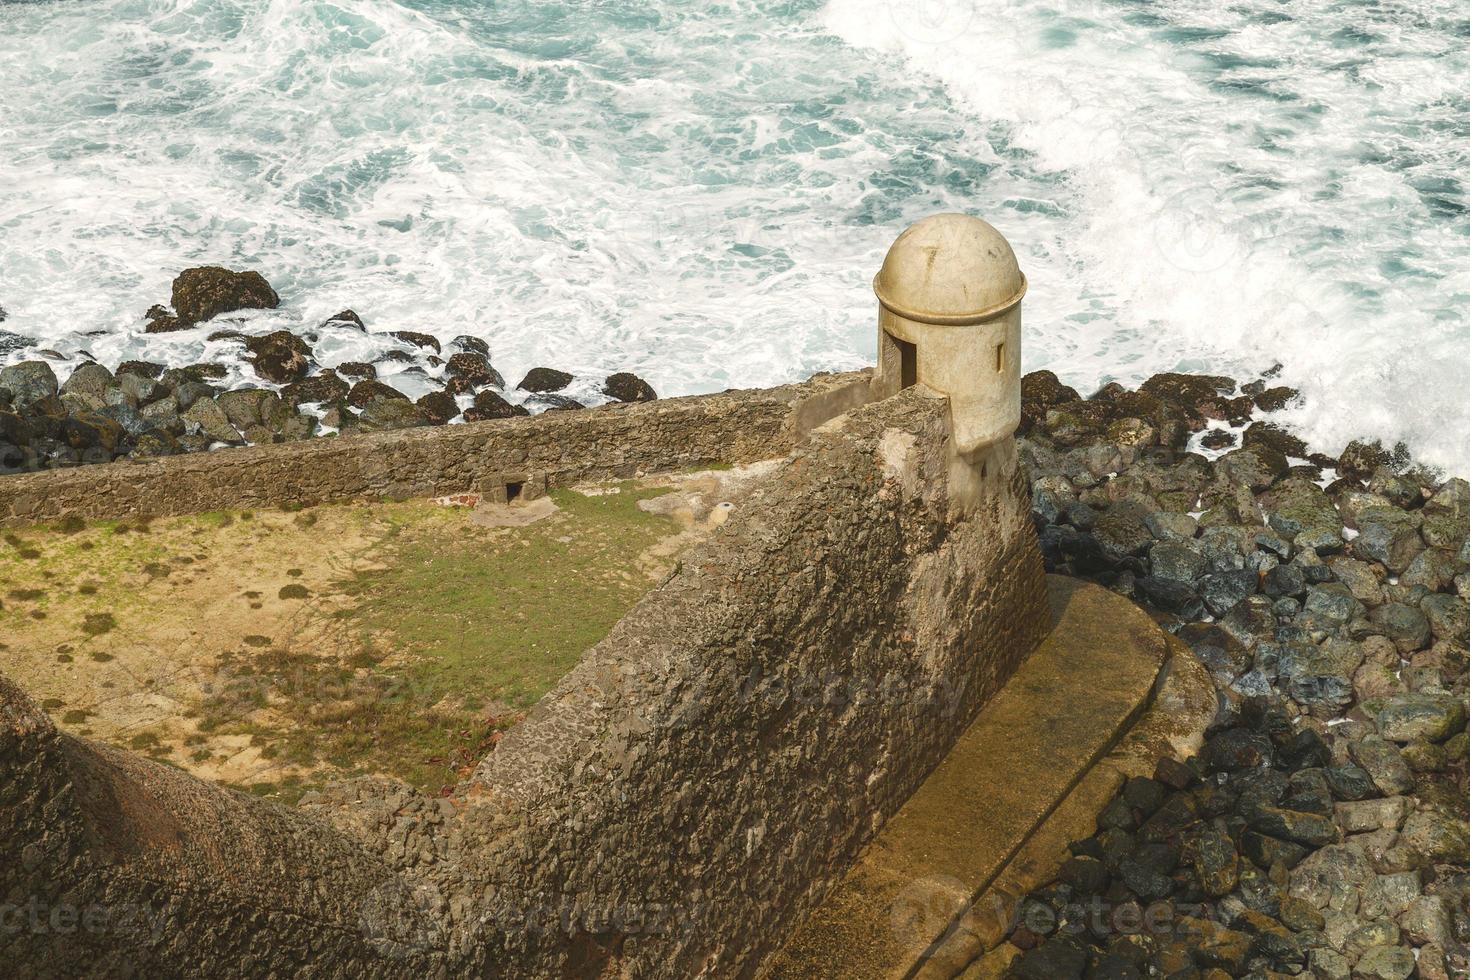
x=96, y=624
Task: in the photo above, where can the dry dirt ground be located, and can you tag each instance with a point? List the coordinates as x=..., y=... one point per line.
x=278, y=649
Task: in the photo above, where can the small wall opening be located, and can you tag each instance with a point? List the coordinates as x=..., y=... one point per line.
x=908, y=362
x=1000, y=357
x=513, y=492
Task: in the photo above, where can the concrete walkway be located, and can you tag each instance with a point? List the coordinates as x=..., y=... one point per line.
x=1066, y=707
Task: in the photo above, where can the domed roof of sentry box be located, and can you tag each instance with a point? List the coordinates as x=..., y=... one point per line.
x=950, y=269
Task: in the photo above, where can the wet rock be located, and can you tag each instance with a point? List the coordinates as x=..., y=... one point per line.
x=154, y=443
x=382, y=414
x=471, y=345
x=365, y=391
x=1177, y=561
x=420, y=340
x=473, y=369
x=1436, y=838
x=1310, y=829
x=253, y=408
x=1360, y=459
x=347, y=318
x=438, y=407
x=1059, y=958
x=146, y=369
x=1200, y=394
x=205, y=418
x=489, y=405
x=1363, y=816
x=1216, y=862
x=29, y=381
x=627, y=387
x=1426, y=921
x=544, y=379
x=1296, y=505
x=1385, y=963
x=1215, y=945
x=205, y=292
x=1405, y=625
x=280, y=356
x=1384, y=764
x=555, y=403
x=1219, y=439
x=91, y=380
x=1236, y=749
x=1275, y=399
x=357, y=369
x=1393, y=544
x=1222, y=591
x=1449, y=618
x=1434, y=717
x=324, y=386
x=142, y=391
x=1042, y=391
x=1265, y=851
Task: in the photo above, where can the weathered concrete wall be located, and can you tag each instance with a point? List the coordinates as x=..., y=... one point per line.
x=609, y=441
x=671, y=809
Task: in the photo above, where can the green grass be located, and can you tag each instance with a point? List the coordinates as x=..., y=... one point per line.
x=506, y=618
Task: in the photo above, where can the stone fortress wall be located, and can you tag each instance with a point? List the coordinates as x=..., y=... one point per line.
x=551, y=449
x=673, y=808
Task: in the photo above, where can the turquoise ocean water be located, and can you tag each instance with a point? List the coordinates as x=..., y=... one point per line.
x=701, y=192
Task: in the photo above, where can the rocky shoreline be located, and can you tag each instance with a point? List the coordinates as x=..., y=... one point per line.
x=141, y=409
x=1322, y=830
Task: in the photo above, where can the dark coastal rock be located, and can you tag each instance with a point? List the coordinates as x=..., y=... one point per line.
x=324, y=386
x=382, y=414
x=555, y=403
x=365, y=391
x=146, y=369
x=155, y=442
x=253, y=408
x=1428, y=715
x=422, y=340
x=357, y=369
x=1205, y=395
x=627, y=387
x=1360, y=459
x=89, y=380
x=1275, y=399
x=1219, y=439
x=544, y=379
x=279, y=356
x=490, y=405
x=1274, y=438
x=347, y=318
x=471, y=345
x=473, y=369
x=1041, y=391
x=438, y=407
x=90, y=433
x=205, y=292
x=12, y=342
x=29, y=382
x=205, y=418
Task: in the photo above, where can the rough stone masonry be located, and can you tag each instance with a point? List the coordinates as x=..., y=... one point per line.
x=671, y=809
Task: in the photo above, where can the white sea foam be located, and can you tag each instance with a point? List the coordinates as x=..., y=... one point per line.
x=701, y=194
x=1247, y=184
